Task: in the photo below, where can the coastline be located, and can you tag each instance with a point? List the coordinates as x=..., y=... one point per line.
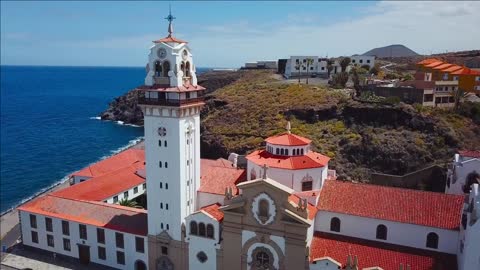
x=9, y=218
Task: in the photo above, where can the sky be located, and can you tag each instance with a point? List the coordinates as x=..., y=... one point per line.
x=228, y=34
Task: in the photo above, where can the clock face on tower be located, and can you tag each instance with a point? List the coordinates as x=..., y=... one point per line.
x=162, y=53
x=162, y=131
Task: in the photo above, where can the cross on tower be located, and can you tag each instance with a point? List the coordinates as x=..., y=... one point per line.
x=170, y=19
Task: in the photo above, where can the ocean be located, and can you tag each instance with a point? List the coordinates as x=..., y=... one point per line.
x=49, y=124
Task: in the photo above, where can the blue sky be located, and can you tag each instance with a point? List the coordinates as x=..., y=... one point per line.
x=227, y=34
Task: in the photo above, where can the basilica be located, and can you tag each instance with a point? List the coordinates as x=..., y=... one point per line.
x=283, y=210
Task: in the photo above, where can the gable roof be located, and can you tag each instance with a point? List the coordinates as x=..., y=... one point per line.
x=105, y=186
x=216, y=175
x=169, y=38
x=374, y=253
x=427, y=61
x=394, y=204
x=213, y=211
x=113, y=163
x=452, y=68
x=433, y=64
x=443, y=66
x=312, y=210
x=267, y=181
x=309, y=160
x=466, y=71
x=110, y=216
x=288, y=139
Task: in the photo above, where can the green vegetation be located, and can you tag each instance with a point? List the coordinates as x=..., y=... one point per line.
x=359, y=137
x=129, y=203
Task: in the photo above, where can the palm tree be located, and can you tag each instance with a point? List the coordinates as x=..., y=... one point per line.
x=458, y=96
x=298, y=67
x=309, y=62
x=128, y=203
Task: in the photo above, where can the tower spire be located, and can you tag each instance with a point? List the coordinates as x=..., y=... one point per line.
x=170, y=19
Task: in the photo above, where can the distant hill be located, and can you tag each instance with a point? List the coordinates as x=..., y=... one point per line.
x=396, y=50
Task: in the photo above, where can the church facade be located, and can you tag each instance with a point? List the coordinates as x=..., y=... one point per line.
x=286, y=210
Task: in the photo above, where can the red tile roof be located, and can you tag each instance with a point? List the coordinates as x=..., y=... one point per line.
x=470, y=153
x=106, y=186
x=374, y=253
x=288, y=140
x=110, y=216
x=433, y=64
x=216, y=175
x=395, y=204
x=167, y=88
x=170, y=39
x=443, y=66
x=427, y=61
x=213, y=210
x=312, y=210
x=309, y=160
x=452, y=68
x=113, y=163
x=466, y=71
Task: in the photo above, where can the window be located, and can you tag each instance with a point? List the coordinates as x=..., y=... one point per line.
x=161, y=205
x=34, y=237
x=83, y=231
x=263, y=209
x=201, y=229
x=160, y=143
x=193, y=228
x=165, y=143
x=477, y=78
x=166, y=185
x=161, y=225
x=119, y=240
x=66, y=244
x=202, y=257
x=135, y=190
x=102, y=253
x=323, y=68
x=120, y=257
x=50, y=241
x=115, y=199
x=166, y=164
x=301, y=151
x=168, y=228
x=33, y=221
x=262, y=259
x=125, y=194
x=282, y=152
x=428, y=98
x=48, y=224
x=361, y=61
x=100, y=236
x=335, y=224
x=382, y=232
x=307, y=185
x=160, y=164
x=455, y=78
x=161, y=185
x=166, y=206
x=164, y=250
x=286, y=152
x=144, y=186
x=277, y=151
x=353, y=60
x=139, y=245
x=368, y=61
x=210, y=231
x=432, y=240
x=65, y=227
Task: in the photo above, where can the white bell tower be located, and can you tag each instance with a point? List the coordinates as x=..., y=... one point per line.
x=171, y=101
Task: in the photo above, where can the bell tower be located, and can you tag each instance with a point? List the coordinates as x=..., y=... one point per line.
x=171, y=101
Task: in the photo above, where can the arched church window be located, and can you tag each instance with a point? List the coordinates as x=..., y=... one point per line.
x=432, y=240
x=382, y=232
x=210, y=231
x=286, y=152
x=187, y=69
x=262, y=260
x=253, y=174
x=263, y=208
x=158, y=68
x=201, y=229
x=193, y=228
x=282, y=151
x=277, y=151
x=301, y=151
x=166, y=68
x=294, y=152
x=182, y=68
x=335, y=224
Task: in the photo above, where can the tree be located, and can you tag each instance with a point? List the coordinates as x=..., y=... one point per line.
x=128, y=203
x=344, y=63
x=329, y=67
x=458, y=96
x=374, y=70
x=340, y=79
x=309, y=62
x=298, y=67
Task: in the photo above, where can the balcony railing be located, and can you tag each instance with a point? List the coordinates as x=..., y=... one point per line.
x=168, y=102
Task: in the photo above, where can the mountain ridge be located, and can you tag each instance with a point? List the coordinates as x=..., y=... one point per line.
x=394, y=50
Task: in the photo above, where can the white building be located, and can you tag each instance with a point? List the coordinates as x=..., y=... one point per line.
x=362, y=60
x=465, y=166
x=297, y=65
x=285, y=211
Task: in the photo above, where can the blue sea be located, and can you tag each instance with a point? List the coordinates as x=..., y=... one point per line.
x=49, y=125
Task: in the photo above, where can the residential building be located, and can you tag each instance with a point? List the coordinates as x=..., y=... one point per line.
x=362, y=60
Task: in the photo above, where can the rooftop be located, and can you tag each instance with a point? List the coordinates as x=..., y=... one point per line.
x=216, y=175
x=213, y=211
x=167, y=88
x=110, y=216
x=288, y=139
x=452, y=68
x=374, y=253
x=443, y=66
x=113, y=163
x=394, y=204
x=309, y=160
x=433, y=64
x=470, y=153
x=427, y=61
x=466, y=71
x=169, y=38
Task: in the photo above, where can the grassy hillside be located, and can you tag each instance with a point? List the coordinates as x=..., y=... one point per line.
x=360, y=138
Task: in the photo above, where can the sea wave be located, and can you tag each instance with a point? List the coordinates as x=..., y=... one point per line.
x=131, y=143
x=96, y=118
